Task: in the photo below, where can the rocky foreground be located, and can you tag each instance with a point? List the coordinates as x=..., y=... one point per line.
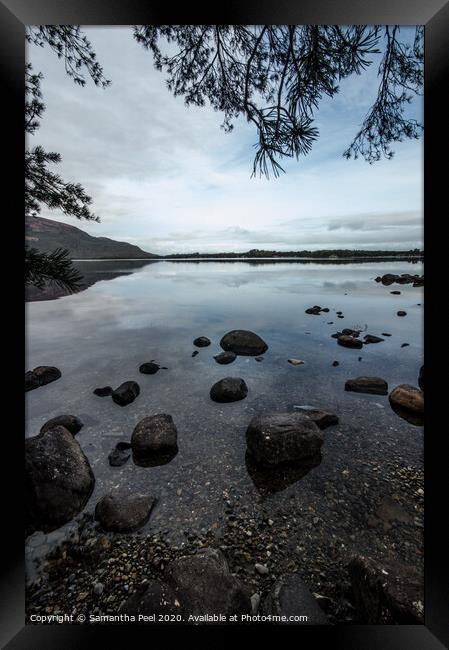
x=296, y=565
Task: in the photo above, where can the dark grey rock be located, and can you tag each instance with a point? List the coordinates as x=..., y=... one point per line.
x=349, y=342
x=387, y=593
x=225, y=357
x=369, y=338
x=120, y=454
x=408, y=402
x=243, y=342
x=149, y=368
x=154, y=598
x=122, y=513
x=126, y=393
x=278, y=438
x=201, y=342
x=335, y=364
x=58, y=479
x=155, y=436
x=396, y=293
x=372, y=385
x=350, y=332
x=229, y=389
x=204, y=585
x=41, y=376
x=385, y=334
x=106, y=391
x=290, y=597
x=70, y=422
x=402, y=313
x=194, y=353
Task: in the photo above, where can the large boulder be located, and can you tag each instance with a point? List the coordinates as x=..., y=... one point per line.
x=126, y=393
x=386, y=593
x=408, y=402
x=58, y=479
x=70, y=422
x=373, y=385
x=243, y=342
x=229, y=389
x=204, y=585
x=278, y=438
x=155, y=438
x=348, y=341
x=291, y=598
x=153, y=598
x=41, y=376
x=124, y=512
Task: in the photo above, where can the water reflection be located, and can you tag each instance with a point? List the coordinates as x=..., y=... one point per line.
x=270, y=480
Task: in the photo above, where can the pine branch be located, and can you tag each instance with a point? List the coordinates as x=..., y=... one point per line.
x=55, y=268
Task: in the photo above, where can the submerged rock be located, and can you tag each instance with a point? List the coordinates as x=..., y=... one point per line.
x=41, y=376
x=386, y=593
x=290, y=597
x=123, y=513
x=369, y=338
x=58, y=479
x=322, y=419
x=126, y=393
x=243, y=342
x=278, y=438
x=408, y=402
x=155, y=440
x=229, y=389
x=276, y=478
x=350, y=332
x=373, y=385
x=106, y=391
x=153, y=598
x=70, y=422
x=201, y=342
x=349, y=341
x=204, y=585
x=225, y=357
x=120, y=454
x=149, y=368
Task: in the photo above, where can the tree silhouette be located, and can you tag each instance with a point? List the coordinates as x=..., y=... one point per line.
x=43, y=186
x=276, y=76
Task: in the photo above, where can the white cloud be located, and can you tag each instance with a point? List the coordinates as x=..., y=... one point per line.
x=167, y=178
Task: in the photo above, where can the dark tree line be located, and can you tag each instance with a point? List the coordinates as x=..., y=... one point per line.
x=275, y=76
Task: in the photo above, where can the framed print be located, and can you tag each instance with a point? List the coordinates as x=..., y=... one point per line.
x=224, y=226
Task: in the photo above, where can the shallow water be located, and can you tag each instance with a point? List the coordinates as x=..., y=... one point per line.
x=100, y=337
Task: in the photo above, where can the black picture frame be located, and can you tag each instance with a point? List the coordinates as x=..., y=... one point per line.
x=434, y=14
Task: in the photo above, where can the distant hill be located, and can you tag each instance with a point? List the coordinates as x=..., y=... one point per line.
x=46, y=235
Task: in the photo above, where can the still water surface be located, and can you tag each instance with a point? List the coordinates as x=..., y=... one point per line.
x=133, y=313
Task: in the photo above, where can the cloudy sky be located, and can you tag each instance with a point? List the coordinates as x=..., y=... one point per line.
x=167, y=178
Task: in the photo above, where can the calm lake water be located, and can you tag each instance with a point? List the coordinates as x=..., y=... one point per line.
x=135, y=312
